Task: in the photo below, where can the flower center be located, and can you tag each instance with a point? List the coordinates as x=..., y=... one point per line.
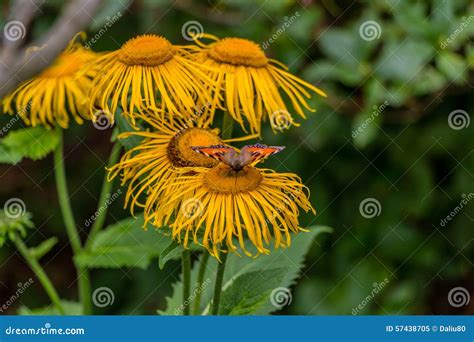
x=65, y=65
x=147, y=50
x=237, y=51
x=223, y=179
x=179, y=148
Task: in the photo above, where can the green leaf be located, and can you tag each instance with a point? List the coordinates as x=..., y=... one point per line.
x=43, y=248
x=241, y=269
x=453, y=66
x=249, y=292
x=70, y=308
x=402, y=62
x=9, y=156
x=124, y=244
x=31, y=142
x=172, y=251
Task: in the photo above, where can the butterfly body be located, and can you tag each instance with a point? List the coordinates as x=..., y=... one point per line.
x=237, y=161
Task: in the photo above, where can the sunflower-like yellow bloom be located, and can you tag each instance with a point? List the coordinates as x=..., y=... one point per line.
x=148, y=72
x=152, y=163
x=252, y=84
x=58, y=91
x=216, y=207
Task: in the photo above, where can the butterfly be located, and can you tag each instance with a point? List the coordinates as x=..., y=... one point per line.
x=237, y=161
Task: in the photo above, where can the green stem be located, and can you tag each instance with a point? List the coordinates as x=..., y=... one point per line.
x=186, y=269
x=227, y=126
x=104, y=196
x=200, y=281
x=71, y=229
x=218, y=284
x=40, y=273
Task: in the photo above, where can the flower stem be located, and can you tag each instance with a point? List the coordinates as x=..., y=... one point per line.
x=104, y=196
x=71, y=229
x=200, y=281
x=40, y=273
x=186, y=269
x=218, y=284
x=227, y=126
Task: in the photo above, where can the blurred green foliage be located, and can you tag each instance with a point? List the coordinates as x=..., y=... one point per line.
x=384, y=132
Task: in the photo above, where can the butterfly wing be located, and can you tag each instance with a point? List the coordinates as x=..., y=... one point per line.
x=253, y=153
x=221, y=153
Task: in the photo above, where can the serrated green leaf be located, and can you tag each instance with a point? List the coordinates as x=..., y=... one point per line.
x=124, y=244
x=9, y=156
x=70, y=308
x=32, y=142
x=290, y=259
x=43, y=248
x=249, y=292
x=172, y=251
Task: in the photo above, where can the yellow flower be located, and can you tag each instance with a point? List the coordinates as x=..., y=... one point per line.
x=252, y=83
x=150, y=164
x=216, y=207
x=147, y=67
x=58, y=91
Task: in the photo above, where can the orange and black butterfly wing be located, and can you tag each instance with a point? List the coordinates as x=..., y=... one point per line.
x=218, y=152
x=253, y=153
